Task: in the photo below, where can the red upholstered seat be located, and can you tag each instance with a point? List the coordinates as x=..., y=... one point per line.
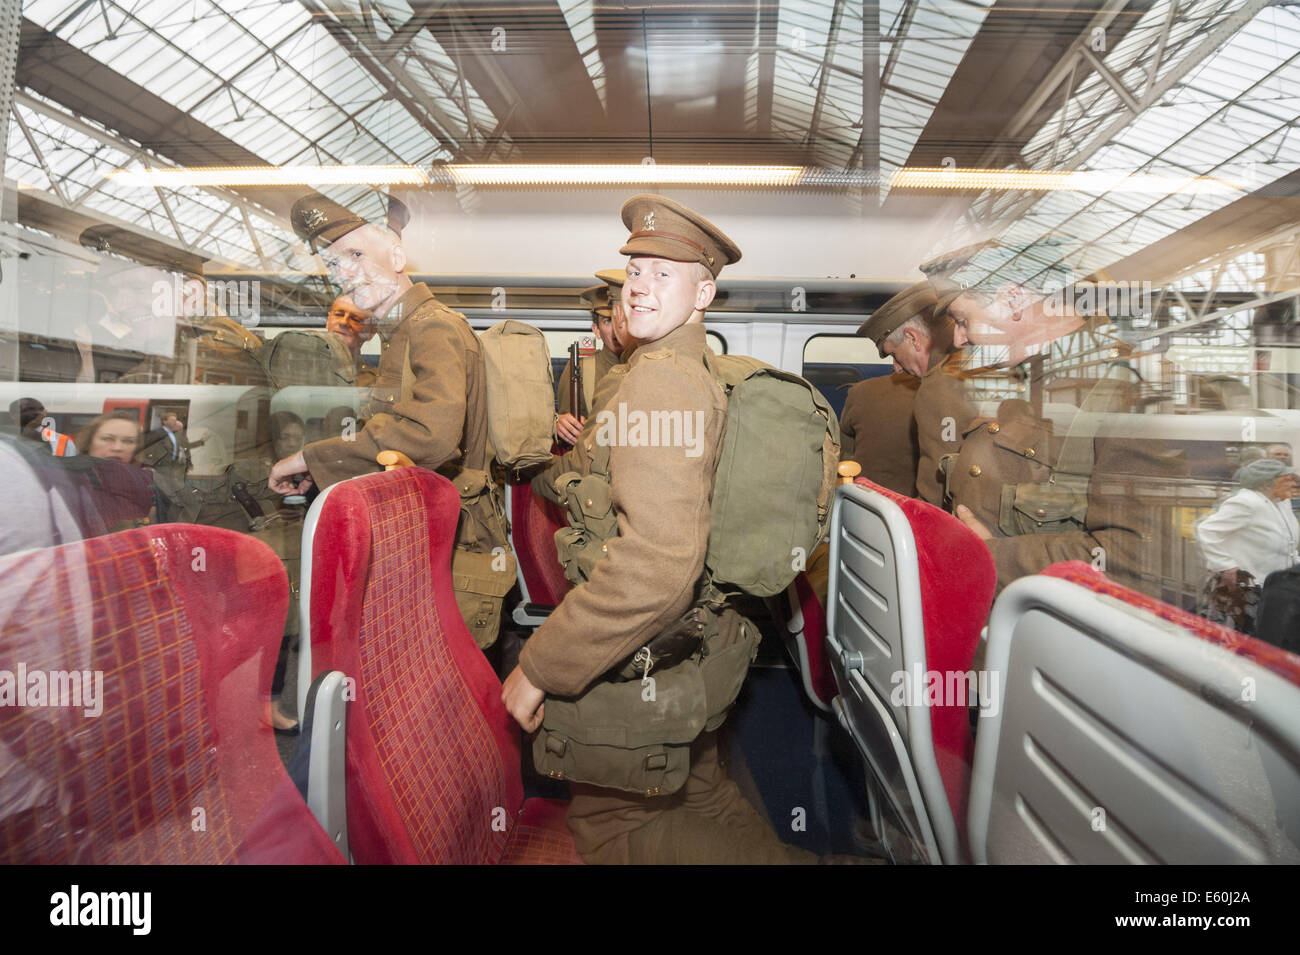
x=432, y=754
x=533, y=523
x=1279, y=661
x=957, y=578
x=819, y=680
x=184, y=623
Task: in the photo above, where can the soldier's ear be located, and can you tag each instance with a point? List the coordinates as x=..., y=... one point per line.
x=704, y=293
x=398, y=257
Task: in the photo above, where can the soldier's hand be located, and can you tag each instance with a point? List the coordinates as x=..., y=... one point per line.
x=523, y=700
x=284, y=474
x=568, y=428
x=967, y=517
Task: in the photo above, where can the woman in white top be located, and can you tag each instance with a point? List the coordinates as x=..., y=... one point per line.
x=1251, y=534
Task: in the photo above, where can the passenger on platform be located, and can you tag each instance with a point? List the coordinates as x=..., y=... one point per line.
x=355, y=328
x=167, y=451
x=910, y=329
x=1251, y=533
x=646, y=574
x=114, y=492
x=28, y=416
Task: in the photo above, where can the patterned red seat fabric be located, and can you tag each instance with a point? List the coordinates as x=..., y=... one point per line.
x=1279, y=661
x=432, y=754
x=533, y=523
x=174, y=761
x=957, y=579
x=820, y=681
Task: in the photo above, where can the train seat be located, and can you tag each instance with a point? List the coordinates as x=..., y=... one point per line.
x=1129, y=731
x=912, y=587
x=533, y=523
x=432, y=756
x=174, y=760
x=803, y=615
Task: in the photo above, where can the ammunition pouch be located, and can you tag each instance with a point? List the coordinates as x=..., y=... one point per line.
x=1050, y=508
x=634, y=733
x=591, y=512
x=483, y=569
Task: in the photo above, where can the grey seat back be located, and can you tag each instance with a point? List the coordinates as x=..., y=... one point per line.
x=1121, y=737
x=875, y=631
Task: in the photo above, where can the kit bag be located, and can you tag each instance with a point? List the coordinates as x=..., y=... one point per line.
x=633, y=731
x=520, y=394
x=483, y=569
x=775, y=479
x=307, y=358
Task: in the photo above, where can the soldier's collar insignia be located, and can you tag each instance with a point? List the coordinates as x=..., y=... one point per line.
x=314, y=217
x=649, y=223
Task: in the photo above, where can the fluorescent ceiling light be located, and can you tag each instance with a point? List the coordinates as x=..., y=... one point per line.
x=521, y=174
x=272, y=176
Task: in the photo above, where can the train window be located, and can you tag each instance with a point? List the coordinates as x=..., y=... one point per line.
x=1106, y=237
x=835, y=363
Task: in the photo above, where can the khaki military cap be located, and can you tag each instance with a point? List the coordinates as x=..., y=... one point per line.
x=596, y=299
x=669, y=230
x=319, y=220
x=614, y=278
x=946, y=291
x=910, y=302
x=398, y=215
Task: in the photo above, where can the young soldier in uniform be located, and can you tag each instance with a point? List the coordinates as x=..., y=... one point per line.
x=907, y=329
x=429, y=400
x=598, y=301
x=649, y=574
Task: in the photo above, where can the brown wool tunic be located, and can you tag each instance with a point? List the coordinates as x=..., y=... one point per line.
x=661, y=499
x=445, y=418
x=878, y=430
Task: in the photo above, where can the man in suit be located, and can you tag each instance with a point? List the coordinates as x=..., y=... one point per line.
x=167, y=451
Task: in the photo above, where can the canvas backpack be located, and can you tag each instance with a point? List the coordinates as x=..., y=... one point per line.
x=520, y=393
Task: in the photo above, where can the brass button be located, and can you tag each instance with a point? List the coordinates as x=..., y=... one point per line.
x=1029, y=452
x=994, y=428
x=975, y=470
x=1041, y=512
x=604, y=548
x=589, y=502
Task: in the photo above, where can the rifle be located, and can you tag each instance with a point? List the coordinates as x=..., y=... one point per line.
x=575, y=380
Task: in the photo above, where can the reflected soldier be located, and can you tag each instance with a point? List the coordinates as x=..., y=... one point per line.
x=429, y=399
x=1038, y=491
x=910, y=329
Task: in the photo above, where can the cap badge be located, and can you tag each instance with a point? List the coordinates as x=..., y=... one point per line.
x=314, y=218
x=649, y=223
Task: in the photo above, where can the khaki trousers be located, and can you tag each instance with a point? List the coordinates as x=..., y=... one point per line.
x=707, y=822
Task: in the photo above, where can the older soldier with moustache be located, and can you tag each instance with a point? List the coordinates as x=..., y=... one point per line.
x=355, y=328
x=649, y=575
